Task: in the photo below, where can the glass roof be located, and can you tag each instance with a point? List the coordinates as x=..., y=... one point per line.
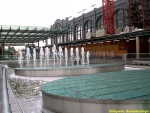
x=26, y=34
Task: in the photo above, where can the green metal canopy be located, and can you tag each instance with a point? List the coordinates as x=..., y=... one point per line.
x=30, y=34
x=27, y=34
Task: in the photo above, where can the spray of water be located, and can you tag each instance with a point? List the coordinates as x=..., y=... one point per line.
x=28, y=55
x=66, y=56
x=82, y=56
x=41, y=56
x=34, y=57
x=71, y=56
x=59, y=57
x=54, y=53
x=47, y=56
x=60, y=53
x=77, y=56
x=87, y=57
x=20, y=61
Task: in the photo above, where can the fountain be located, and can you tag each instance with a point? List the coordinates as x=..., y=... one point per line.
x=66, y=56
x=54, y=51
x=60, y=55
x=50, y=99
x=87, y=57
x=34, y=57
x=71, y=56
x=41, y=56
x=77, y=56
x=110, y=92
x=47, y=56
x=28, y=55
x=82, y=56
x=20, y=61
x=52, y=68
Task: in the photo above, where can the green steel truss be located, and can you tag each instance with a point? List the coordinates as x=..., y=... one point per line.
x=22, y=34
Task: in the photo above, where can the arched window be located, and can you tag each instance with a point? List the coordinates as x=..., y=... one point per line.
x=59, y=36
x=58, y=26
x=70, y=34
x=49, y=41
x=99, y=22
x=121, y=18
x=78, y=32
x=59, y=39
x=88, y=26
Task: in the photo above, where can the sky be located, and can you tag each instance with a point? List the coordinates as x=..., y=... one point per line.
x=42, y=13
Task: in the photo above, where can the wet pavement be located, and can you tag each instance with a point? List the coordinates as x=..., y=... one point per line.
x=34, y=104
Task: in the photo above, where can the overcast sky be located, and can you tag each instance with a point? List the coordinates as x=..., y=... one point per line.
x=42, y=12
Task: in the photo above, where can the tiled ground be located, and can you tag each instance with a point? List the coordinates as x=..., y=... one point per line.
x=35, y=105
x=121, y=85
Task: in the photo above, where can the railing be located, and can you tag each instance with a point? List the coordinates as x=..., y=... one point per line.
x=138, y=59
x=128, y=58
x=8, y=57
x=94, y=58
x=4, y=91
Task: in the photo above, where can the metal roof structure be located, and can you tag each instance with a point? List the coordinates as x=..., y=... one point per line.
x=22, y=34
x=27, y=34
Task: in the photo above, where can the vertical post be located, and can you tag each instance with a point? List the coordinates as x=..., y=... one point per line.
x=108, y=15
x=143, y=11
x=149, y=49
x=149, y=45
x=5, y=100
x=2, y=46
x=137, y=47
x=38, y=47
x=104, y=60
x=129, y=11
x=124, y=58
x=83, y=29
x=46, y=42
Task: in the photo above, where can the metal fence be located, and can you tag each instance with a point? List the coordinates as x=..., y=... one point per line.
x=138, y=59
x=130, y=58
x=4, y=91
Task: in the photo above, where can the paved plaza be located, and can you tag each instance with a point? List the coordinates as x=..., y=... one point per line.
x=131, y=83
x=121, y=85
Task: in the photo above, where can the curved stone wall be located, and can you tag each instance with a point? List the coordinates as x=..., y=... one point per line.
x=123, y=91
x=68, y=70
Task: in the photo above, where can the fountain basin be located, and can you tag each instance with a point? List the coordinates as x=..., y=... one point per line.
x=75, y=70
x=111, y=92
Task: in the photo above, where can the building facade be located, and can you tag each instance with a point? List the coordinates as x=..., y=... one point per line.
x=132, y=26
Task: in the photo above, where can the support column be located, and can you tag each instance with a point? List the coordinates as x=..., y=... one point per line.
x=137, y=47
x=149, y=45
x=46, y=42
x=38, y=47
x=2, y=50
x=149, y=48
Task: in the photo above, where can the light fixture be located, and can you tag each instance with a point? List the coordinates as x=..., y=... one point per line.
x=108, y=41
x=116, y=40
x=132, y=39
x=95, y=43
x=88, y=42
